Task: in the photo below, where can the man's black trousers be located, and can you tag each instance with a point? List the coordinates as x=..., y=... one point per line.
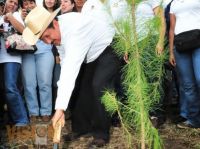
x=88, y=113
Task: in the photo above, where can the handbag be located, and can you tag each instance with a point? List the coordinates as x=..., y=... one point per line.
x=16, y=44
x=187, y=41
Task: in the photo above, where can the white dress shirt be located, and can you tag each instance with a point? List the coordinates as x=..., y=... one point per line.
x=84, y=38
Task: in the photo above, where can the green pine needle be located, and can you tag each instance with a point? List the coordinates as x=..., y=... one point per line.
x=142, y=81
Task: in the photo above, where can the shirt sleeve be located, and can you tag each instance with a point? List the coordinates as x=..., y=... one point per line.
x=18, y=17
x=76, y=48
x=172, y=8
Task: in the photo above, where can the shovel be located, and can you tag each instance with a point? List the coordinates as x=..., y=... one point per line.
x=57, y=135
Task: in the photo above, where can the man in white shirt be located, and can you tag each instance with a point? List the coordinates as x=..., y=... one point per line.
x=85, y=40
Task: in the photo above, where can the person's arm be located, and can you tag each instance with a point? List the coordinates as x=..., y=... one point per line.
x=76, y=48
x=171, y=39
x=158, y=11
x=70, y=67
x=15, y=23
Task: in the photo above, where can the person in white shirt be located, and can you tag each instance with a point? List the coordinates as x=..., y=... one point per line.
x=146, y=11
x=85, y=40
x=184, y=16
x=11, y=64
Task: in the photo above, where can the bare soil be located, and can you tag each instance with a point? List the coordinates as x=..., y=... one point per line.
x=173, y=138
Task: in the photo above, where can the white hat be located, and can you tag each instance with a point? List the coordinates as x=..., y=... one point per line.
x=36, y=23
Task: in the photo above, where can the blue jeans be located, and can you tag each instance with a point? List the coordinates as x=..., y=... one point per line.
x=37, y=71
x=188, y=67
x=14, y=100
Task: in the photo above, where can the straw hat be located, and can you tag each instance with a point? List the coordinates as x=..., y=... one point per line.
x=36, y=22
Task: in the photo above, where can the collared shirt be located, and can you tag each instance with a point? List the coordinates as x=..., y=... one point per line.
x=83, y=38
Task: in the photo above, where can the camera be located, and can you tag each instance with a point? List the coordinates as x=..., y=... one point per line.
x=1, y=30
x=27, y=11
x=2, y=2
x=1, y=26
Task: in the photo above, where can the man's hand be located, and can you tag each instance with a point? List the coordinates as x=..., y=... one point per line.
x=58, y=116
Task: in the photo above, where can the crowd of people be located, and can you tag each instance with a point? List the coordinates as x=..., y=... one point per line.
x=28, y=68
x=75, y=62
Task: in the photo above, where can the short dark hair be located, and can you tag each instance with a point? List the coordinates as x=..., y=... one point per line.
x=21, y=2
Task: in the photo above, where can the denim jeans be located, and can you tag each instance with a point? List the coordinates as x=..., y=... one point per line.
x=37, y=71
x=14, y=100
x=188, y=68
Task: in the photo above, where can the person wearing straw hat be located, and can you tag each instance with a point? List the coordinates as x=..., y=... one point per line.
x=86, y=41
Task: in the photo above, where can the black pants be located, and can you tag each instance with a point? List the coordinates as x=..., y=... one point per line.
x=88, y=113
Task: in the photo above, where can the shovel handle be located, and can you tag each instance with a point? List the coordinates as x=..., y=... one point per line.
x=57, y=132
